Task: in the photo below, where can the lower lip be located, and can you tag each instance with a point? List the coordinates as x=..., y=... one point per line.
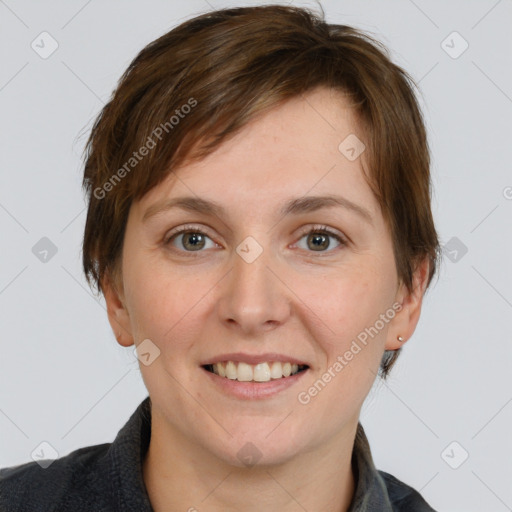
x=253, y=390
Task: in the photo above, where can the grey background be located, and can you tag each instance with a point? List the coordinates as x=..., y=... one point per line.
x=63, y=378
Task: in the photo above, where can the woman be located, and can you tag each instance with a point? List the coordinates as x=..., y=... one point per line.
x=259, y=223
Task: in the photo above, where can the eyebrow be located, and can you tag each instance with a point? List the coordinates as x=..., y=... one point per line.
x=296, y=206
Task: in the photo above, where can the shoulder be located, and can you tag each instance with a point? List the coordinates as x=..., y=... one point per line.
x=403, y=497
x=73, y=480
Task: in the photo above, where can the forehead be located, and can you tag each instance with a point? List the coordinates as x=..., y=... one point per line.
x=290, y=151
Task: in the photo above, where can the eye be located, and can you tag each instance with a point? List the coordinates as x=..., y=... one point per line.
x=189, y=238
x=318, y=239
x=193, y=239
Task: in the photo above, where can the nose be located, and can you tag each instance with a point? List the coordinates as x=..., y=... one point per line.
x=254, y=296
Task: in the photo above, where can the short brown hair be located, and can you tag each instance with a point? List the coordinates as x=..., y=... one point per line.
x=227, y=67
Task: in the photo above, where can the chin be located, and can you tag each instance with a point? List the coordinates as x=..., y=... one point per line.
x=263, y=448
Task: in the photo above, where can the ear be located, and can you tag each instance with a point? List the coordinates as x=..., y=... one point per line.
x=118, y=315
x=405, y=321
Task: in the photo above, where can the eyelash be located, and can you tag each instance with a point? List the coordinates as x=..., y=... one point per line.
x=319, y=229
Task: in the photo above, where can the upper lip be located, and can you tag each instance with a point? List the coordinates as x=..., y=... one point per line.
x=241, y=357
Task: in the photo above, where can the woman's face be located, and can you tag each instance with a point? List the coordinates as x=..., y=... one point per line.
x=246, y=283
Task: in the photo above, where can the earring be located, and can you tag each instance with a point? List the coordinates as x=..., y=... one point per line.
x=400, y=339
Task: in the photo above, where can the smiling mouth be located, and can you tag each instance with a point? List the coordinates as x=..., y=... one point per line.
x=261, y=372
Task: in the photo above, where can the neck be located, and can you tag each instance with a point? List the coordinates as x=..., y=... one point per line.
x=180, y=475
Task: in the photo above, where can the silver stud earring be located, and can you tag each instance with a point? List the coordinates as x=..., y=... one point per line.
x=400, y=339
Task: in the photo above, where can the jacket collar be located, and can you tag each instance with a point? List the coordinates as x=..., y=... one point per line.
x=371, y=493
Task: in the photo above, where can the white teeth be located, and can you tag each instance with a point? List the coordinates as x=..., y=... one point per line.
x=244, y=372
x=231, y=372
x=276, y=370
x=261, y=372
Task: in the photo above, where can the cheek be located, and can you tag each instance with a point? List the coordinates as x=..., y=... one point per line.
x=352, y=343
x=171, y=307
x=343, y=307
x=159, y=302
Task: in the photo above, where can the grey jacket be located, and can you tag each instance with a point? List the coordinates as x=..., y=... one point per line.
x=108, y=477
